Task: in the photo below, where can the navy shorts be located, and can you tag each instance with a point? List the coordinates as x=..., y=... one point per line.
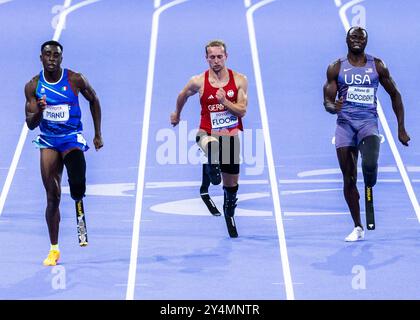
x=61, y=144
x=229, y=152
x=351, y=133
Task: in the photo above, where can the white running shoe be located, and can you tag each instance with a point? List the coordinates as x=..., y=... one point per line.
x=356, y=235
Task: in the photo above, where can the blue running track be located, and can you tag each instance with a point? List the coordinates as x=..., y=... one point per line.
x=150, y=236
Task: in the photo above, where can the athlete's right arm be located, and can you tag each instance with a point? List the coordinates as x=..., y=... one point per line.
x=193, y=86
x=330, y=89
x=33, y=106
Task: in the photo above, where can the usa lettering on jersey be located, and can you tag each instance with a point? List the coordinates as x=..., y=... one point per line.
x=357, y=79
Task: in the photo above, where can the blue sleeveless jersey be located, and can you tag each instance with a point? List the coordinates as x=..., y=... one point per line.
x=62, y=115
x=358, y=86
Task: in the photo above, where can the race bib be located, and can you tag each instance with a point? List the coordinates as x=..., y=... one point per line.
x=361, y=95
x=223, y=120
x=57, y=113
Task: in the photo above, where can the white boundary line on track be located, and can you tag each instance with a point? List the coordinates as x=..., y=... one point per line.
x=197, y=183
x=143, y=148
x=25, y=130
x=269, y=151
x=386, y=128
x=66, y=12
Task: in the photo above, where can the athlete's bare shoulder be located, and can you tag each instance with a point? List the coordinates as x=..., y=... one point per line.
x=78, y=81
x=198, y=78
x=196, y=82
x=239, y=75
x=240, y=79
x=31, y=85
x=333, y=69
x=335, y=65
x=75, y=77
x=379, y=64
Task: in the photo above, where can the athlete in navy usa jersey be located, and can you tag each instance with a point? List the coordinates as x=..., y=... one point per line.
x=52, y=105
x=354, y=80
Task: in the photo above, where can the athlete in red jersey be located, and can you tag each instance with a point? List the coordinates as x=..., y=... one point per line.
x=223, y=98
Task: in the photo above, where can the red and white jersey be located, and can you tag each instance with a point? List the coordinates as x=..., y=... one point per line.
x=215, y=117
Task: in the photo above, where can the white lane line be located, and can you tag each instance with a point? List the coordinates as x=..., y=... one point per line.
x=67, y=10
x=185, y=184
x=291, y=192
x=13, y=166
x=398, y=160
x=143, y=148
x=25, y=130
x=320, y=172
x=313, y=213
x=269, y=151
x=291, y=181
x=247, y=3
x=61, y=21
x=137, y=285
x=387, y=130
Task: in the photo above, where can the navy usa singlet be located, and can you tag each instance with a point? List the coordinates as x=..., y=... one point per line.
x=358, y=117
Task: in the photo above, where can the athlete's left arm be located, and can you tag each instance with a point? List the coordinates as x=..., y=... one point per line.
x=95, y=107
x=239, y=107
x=397, y=105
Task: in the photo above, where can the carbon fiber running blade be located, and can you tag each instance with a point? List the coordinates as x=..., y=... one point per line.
x=81, y=224
x=231, y=226
x=370, y=212
x=210, y=204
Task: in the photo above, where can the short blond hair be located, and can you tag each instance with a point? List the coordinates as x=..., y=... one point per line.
x=216, y=43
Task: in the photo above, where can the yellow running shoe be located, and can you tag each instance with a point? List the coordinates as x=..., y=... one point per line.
x=52, y=258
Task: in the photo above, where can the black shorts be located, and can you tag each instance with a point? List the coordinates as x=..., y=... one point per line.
x=229, y=150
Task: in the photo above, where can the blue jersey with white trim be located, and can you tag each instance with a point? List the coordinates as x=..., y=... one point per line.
x=62, y=115
x=357, y=86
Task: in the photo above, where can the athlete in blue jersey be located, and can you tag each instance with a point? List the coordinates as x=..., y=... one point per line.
x=354, y=80
x=52, y=104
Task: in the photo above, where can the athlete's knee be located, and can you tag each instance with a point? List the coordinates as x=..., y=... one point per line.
x=53, y=199
x=76, y=171
x=349, y=180
x=210, y=146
